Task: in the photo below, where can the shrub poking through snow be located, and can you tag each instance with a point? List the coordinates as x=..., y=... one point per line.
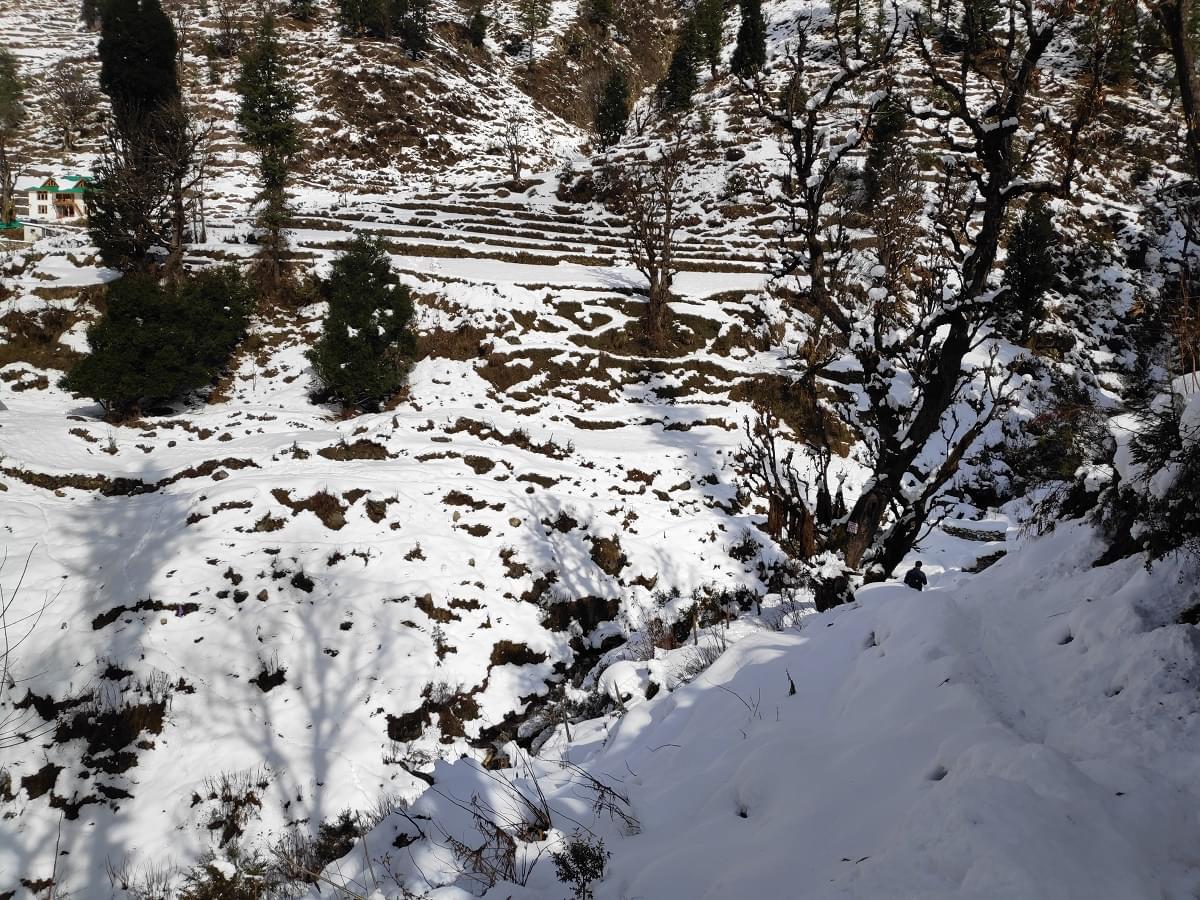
x=237, y=876
x=155, y=343
x=1153, y=506
x=271, y=674
x=580, y=863
x=367, y=348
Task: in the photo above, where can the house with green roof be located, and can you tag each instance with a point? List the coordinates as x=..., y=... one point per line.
x=61, y=201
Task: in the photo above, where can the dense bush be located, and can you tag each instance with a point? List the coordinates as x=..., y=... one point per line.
x=238, y=877
x=1068, y=433
x=155, y=343
x=367, y=348
x=1165, y=481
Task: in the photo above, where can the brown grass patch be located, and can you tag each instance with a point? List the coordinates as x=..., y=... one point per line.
x=33, y=338
x=510, y=653
x=360, y=449
x=324, y=505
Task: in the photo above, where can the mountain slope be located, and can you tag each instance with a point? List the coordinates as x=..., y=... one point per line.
x=252, y=594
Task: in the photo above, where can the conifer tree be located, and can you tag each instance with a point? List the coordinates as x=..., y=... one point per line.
x=613, y=109
x=1029, y=270
x=137, y=52
x=750, y=54
x=138, y=72
x=709, y=17
x=477, y=27
x=892, y=200
x=676, y=89
x=155, y=343
x=367, y=347
x=12, y=114
x=886, y=128
x=1124, y=50
x=127, y=206
x=265, y=121
x=366, y=18
x=412, y=20
x=534, y=15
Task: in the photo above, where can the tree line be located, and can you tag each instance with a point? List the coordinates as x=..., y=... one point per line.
x=166, y=331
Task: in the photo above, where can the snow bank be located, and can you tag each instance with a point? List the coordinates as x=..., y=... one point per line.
x=1029, y=732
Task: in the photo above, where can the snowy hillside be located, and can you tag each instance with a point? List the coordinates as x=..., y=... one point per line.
x=534, y=602
x=1027, y=732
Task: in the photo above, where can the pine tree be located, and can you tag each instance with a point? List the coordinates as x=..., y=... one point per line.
x=138, y=72
x=412, y=21
x=1029, y=270
x=878, y=33
x=892, y=201
x=886, y=128
x=265, y=121
x=366, y=18
x=1114, y=31
x=137, y=61
x=676, y=89
x=709, y=18
x=367, y=347
x=750, y=54
x=12, y=114
x=155, y=343
x=127, y=205
x=477, y=27
x=848, y=24
x=613, y=110
x=534, y=15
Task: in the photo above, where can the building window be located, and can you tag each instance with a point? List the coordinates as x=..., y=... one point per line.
x=42, y=210
x=43, y=195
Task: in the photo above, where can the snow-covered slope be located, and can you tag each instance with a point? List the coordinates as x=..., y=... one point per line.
x=252, y=594
x=1029, y=732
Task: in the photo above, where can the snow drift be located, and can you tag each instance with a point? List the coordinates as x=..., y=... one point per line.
x=1028, y=732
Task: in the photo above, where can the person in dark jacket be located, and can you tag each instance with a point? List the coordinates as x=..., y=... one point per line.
x=915, y=578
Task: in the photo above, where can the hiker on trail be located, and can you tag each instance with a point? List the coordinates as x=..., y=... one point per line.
x=915, y=578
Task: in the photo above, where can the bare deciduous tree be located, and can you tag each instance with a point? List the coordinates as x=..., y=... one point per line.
x=1176, y=18
x=70, y=96
x=231, y=33
x=183, y=14
x=514, y=147
x=645, y=193
x=182, y=152
x=922, y=385
x=17, y=726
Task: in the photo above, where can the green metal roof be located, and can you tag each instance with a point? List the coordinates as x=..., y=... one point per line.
x=80, y=186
